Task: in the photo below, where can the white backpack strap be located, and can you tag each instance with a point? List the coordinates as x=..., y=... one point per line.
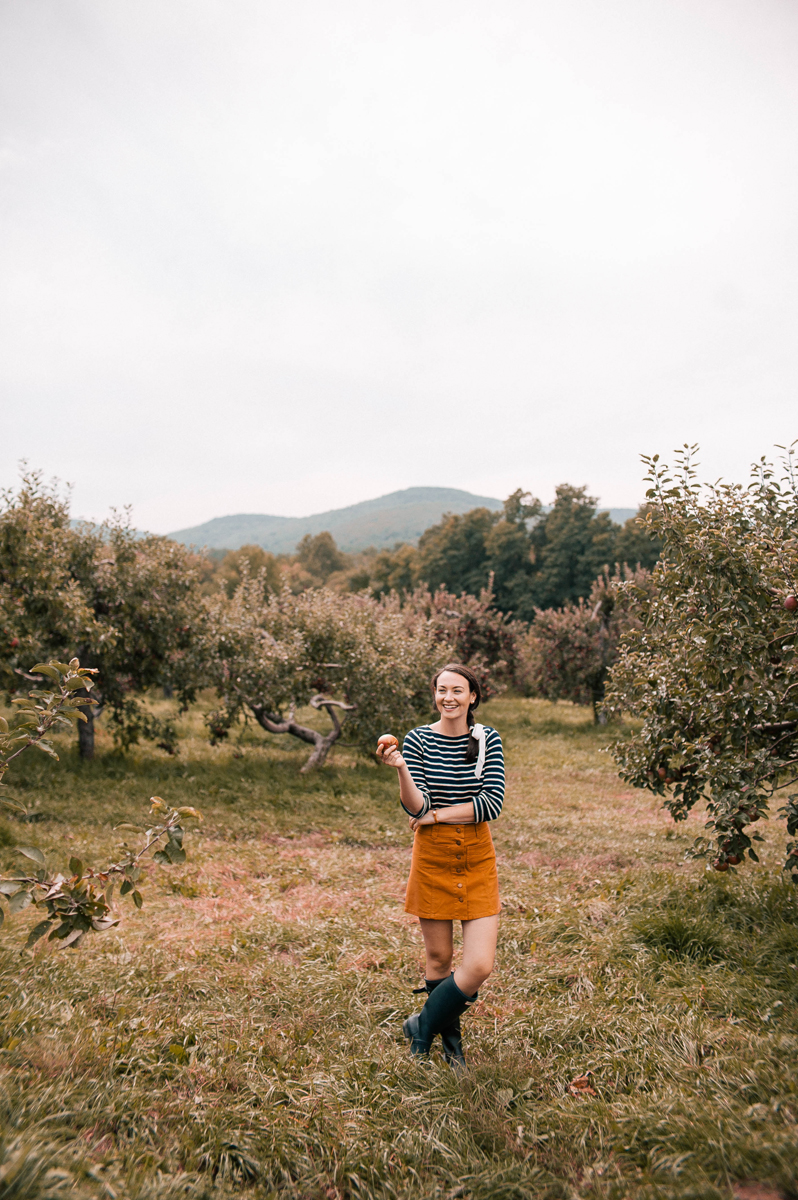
x=478, y=732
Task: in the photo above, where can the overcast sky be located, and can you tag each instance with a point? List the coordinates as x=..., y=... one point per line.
x=282, y=257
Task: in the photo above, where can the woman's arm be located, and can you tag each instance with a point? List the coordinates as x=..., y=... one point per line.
x=411, y=798
x=453, y=814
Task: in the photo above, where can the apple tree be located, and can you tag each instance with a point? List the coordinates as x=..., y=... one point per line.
x=123, y=604
x=269, y=655
x=712, y=669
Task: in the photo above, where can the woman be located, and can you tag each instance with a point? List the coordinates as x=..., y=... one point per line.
x=451, y=783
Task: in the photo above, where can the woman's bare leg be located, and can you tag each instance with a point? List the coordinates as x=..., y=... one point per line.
x=439, y=945
x=479, y=952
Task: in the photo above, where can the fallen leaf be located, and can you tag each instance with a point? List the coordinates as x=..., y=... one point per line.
x=581, y=1085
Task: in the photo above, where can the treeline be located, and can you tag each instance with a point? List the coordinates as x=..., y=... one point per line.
x=355, y=637
x=529, y=558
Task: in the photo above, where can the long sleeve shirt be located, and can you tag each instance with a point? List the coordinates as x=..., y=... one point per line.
x=438, y=768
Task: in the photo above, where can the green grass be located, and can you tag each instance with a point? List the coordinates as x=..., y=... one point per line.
x=242, y=1033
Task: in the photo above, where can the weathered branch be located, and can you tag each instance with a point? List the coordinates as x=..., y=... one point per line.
x=779, y=727
x=322, y=702
x=274, y=723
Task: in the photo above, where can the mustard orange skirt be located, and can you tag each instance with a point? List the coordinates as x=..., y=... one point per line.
x=453, y=873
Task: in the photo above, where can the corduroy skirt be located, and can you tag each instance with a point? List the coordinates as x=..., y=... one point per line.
x=453, y=873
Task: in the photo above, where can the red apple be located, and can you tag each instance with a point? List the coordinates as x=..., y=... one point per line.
x=387, y=741
x=734, y=860
x=791, y=603
x=720, y=866
x=14, y=643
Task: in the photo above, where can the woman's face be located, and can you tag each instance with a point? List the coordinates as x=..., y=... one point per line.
x=453, y=695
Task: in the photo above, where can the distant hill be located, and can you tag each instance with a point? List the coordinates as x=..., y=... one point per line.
x=398, y=517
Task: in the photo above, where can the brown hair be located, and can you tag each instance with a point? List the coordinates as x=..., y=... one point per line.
x=472, y=750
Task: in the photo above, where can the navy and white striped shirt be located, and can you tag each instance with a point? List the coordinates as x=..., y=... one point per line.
x=438, y=769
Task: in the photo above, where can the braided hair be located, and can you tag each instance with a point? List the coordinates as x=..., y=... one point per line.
x=472, y=749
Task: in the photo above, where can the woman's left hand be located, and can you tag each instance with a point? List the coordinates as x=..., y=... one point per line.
x=427, y=819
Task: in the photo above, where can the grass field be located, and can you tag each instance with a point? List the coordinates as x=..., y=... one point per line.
x=242, y=1033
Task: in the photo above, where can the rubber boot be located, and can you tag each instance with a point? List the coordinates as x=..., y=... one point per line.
x=445, y=1003
x=451, y=1034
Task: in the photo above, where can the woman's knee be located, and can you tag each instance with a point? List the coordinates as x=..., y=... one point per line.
x=439, y=957
x=480, y=967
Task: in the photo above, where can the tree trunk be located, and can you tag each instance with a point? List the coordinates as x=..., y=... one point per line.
x=86, y=730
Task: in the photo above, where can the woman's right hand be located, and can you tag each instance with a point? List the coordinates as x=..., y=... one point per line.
x=391, y=756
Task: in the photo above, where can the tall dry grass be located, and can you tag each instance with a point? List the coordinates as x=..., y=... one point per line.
x=242, y=1034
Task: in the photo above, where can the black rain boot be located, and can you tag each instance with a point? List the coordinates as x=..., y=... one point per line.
x=445, y=1003
x=451, y=1034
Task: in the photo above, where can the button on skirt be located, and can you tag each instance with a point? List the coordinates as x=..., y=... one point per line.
x=453, y=873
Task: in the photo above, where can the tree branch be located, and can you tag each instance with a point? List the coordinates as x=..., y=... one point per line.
x=274, y=723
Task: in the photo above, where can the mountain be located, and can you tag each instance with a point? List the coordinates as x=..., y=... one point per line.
x=398, y=517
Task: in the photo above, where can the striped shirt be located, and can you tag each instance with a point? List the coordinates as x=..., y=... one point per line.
x=438, y=769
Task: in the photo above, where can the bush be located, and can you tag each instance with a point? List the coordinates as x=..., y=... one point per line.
x=570, y=650
x=712, y=670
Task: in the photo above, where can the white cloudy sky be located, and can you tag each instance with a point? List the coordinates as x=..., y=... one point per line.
x=281, y=257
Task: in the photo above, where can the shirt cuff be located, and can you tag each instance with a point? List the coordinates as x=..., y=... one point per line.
x=425, y=807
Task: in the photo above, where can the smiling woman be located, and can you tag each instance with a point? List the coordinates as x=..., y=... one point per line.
x=451, y=783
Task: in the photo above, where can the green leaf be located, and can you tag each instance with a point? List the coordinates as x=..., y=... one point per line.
x=137, y=899
x=73, y=938
x=8, y=887
x=38, y=931
x=126, y=887
x=45, y=748
x=32, y=853
x=50, y=672
x=75, y=866
x=3, y=725
x=19, y=901
x=72, y=685
x=160, y=856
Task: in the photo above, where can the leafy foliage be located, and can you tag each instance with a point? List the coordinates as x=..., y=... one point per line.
x=348, y=654
x=80, y=901
x=570, y=650
x=43, y=713
x=529, y=558
x=125, y=605
x=252, y=561
x=713, y=670
x=475, y=633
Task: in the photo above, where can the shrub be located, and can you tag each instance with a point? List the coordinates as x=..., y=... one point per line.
x=712, y=670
